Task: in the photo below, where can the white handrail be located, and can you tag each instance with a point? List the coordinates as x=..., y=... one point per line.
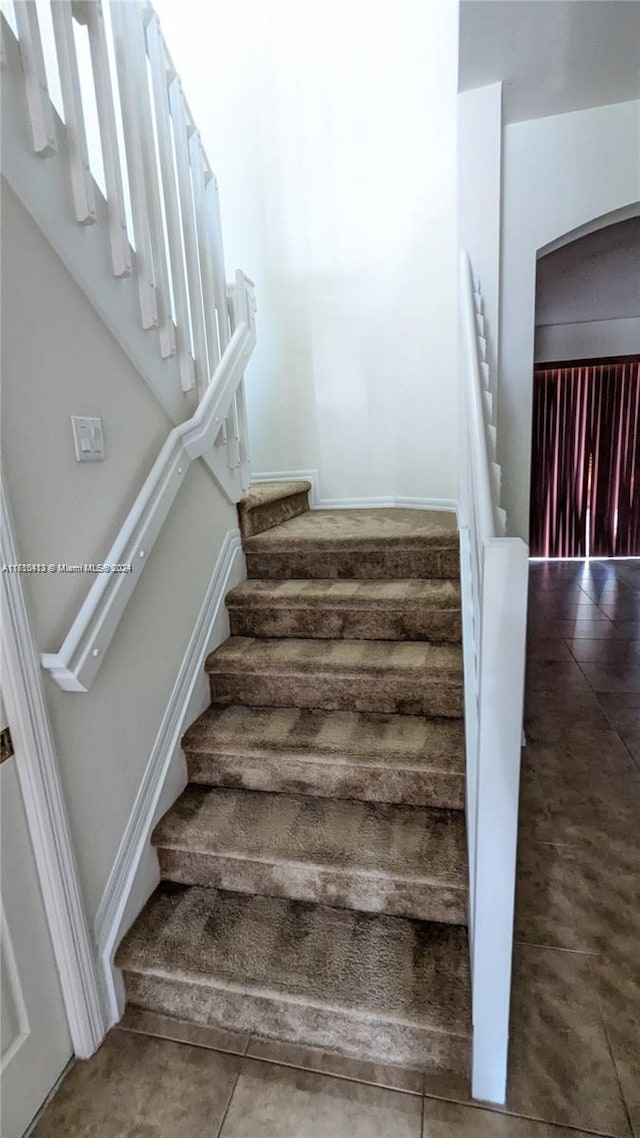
x=76, y=663
x=494, y=571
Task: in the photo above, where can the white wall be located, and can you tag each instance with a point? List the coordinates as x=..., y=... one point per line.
x=331, y=128
x=479, y=192
x=57, y=360
x=558, y=174
x=590, y=339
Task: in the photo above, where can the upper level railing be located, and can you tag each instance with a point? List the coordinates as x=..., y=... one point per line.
x=494, y=574
x=121, y=185
x=161, y=194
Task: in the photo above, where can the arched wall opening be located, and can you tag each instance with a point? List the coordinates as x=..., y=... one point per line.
x=561, y=176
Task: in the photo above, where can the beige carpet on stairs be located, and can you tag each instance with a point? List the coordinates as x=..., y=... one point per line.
x=314, y=882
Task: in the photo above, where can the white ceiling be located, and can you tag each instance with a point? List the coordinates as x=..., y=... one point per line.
x=552, y=55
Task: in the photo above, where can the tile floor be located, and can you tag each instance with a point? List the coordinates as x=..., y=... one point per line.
x=575, y=1055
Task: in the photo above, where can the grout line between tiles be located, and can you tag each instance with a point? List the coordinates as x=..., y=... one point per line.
x=184, y=1042
x=233, y=1091
x=607, y=1036
x=558, y=948
x=614, y=728
x=504, y=1112
x=332, y=1074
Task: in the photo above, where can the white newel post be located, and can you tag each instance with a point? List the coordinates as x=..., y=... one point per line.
x=504, y=604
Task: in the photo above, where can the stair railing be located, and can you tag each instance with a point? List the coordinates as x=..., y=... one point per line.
x=155, y=231
x=494, y=576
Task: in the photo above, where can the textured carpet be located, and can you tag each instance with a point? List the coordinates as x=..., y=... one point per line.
x=356, y=609
x=268, y=504
x=314, y=870
x=380, y=987
x=337, y=754
x=408, y=678
x=370, y=856
x=380, y=544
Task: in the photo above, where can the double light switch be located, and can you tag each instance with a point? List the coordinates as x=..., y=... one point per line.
x=88, y=438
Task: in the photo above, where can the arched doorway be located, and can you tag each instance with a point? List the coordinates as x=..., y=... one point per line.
x=585, y=461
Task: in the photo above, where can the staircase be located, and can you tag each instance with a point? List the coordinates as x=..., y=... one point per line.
x=314, y=881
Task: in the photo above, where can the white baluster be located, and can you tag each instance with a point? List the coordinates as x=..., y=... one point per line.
x=214, y=238
x=92, y=15
x=135, y=163
x=159, y=77
x=206, y=259
x=39, y=105
x=82, y=185
x=143, y=130
x=181, y=133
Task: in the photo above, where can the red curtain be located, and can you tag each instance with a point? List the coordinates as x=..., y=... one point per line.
x=585, y=465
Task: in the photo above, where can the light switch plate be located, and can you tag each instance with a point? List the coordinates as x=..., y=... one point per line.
x=88, y=438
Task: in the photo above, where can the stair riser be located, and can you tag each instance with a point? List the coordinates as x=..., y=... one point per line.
x=275, y=1017
x=328, y=780
x=401, y=696
x=272, y=514
x=384, y=564
x=370, y=893
x=335, y=624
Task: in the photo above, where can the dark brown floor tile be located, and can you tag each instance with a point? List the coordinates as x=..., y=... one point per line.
x=532, y=813
x=561, y=1069
x=623, y=609
x=544, y=609
x=589, y=806
x=451, y=1120
x=553, y=903
x=610, y=651
x=584, y=749
x=328, y=1063
x=613, y=677
x=554, y=675
x=618, y=701
x=588, y=630
x=136, y=1085
x=280, y=1102
x=618, y=991
x=547, y=648
x=627, y=628
x=551, y=718
x=181, y=1031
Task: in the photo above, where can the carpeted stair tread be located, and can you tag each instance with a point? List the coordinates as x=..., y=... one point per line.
x=367, y=609
x=268, y=504
x=404, y=860
x=336, y=754
x=245, y=654
x=346, y=544
x=409, y=678
x=264, y=493
x=360, y=529
x=373, y=986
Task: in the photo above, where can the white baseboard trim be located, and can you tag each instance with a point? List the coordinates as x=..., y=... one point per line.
x=229, y=571
x=291, y=476
x=388, y=502
x=44, y=803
